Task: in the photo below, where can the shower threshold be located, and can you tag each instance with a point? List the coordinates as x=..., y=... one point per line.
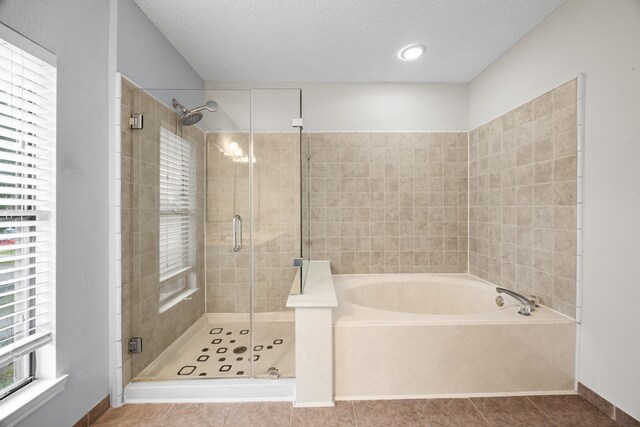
x=212, y=390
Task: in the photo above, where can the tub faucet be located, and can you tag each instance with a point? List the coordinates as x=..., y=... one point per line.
x=526, y=305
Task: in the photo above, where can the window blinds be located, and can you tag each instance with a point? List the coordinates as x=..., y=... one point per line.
x=176, y=199
x=27, y=201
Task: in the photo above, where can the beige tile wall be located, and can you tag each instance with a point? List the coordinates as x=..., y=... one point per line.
x=389, y=202
x=501, y=199
x=522, y=199
x=276, y=235
x=140, y=237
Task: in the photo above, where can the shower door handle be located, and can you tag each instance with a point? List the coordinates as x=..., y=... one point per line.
x=236, y=233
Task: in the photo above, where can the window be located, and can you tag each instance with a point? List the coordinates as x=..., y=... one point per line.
x=177, y=198
x=27, y=211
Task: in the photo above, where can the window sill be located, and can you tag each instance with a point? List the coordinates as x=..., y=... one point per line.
x=166, y=305
x=23, y=402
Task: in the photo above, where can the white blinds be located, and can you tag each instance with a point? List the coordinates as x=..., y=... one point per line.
x=27, y=200
x=176, y=204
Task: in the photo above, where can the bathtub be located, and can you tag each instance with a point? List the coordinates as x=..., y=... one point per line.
x=419, y=335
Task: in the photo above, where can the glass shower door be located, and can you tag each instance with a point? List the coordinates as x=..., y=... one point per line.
x=162, y=224
x=228, y=234
x=275, y=178
x=210, y=225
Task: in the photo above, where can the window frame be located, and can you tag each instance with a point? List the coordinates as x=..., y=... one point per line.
x=42, y=382
x=183, y=278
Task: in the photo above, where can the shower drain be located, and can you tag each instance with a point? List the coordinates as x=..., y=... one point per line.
x=240, y=350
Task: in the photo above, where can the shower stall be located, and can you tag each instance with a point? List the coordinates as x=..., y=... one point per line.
x=212, y=227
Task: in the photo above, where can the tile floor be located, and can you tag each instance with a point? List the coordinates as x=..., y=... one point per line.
x=499, y=411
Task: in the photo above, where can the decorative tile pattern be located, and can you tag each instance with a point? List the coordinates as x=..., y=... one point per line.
x=522, y=199
x=200, y=353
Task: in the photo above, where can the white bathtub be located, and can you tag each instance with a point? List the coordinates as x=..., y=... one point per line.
x=420, y=335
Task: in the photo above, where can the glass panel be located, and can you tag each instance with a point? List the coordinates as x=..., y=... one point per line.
x=305, y=197
x=167, y=168
x=229, y=252
x=211, y=211
x=276, y=226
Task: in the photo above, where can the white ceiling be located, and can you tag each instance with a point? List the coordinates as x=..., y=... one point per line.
x=343, y=40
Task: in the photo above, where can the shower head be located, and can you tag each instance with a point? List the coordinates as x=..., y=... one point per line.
x=190, y=118
x=193, y=116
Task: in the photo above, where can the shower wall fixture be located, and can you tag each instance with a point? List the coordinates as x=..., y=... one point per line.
x=188, y=117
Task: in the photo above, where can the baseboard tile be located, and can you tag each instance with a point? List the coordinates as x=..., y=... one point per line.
x=607, y=407
x=96, y=412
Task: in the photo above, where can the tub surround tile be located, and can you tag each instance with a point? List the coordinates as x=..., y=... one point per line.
x=395, y=204
x=530, y=183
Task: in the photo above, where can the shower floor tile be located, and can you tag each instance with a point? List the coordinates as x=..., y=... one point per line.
x=219, y=346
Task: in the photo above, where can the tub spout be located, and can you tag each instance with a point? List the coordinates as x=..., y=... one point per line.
x=526, y=305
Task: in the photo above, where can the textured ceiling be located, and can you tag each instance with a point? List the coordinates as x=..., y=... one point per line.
x=343, y=40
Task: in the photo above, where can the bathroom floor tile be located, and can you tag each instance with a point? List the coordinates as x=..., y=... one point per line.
x=449, y=412
x=197, y=414
x=341, y=415
x=571, y=411
x=138, y=415
x=270, y=414
x=388, y=413
x=563, y=411
x=511, y=411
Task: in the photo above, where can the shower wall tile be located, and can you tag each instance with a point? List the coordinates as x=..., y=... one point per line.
x=140, y=157
x=388, y=202
x=522, y=199
x=276, y=221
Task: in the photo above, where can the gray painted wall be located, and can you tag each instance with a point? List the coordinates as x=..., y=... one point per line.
x=602, y=40
x=147, y=58
x=77, y=31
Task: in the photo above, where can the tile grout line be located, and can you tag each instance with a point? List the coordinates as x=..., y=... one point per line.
x=353, y=409
x=291, y=415
x=542, y=410
x=420, y=417
x=479, y=411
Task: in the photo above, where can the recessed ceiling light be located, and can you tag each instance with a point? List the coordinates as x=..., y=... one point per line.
x=411, y=52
